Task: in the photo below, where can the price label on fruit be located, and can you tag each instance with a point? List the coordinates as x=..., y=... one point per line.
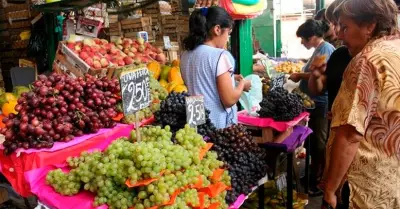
x=135, y=90
x=195, y=111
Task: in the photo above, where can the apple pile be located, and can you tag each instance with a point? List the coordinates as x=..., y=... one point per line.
x=140, y=51
x=99, y=53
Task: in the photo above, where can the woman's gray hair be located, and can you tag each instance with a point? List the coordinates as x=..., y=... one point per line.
x=362, y=12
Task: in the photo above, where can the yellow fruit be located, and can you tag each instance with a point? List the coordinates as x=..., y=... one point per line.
x=180, y=88
x=164, y=83
x=176, y=63
x=9, y=107
x=155, y=68
x=171, y=86
x=164, y=72
x=10, y=96
x=174, y=75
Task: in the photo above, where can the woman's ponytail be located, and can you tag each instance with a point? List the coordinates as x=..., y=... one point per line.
x=198, y=31
x=323, y=25
x=201, y=21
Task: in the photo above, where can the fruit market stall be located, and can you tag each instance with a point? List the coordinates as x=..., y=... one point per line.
x=279, y=125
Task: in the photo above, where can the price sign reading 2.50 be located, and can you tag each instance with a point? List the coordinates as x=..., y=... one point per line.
x=195, y=112
x=135, y=90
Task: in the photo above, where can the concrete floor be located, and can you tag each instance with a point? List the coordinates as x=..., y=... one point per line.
x=314, y=203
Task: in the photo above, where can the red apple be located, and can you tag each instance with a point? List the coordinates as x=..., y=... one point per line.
x=89, y=61
x=126, y=50
x=104, y=62
x=71, y=46
x=96, y=64
x=145, y=59
x=94, y=49
x=128, y=40
x=159, y=50
x=97, y=41
x=114, y=50
x=104, y=41
x=103, y=51
x=108, y=57
x=83, y=55
x=95, y=57
x=153, y=56
x=121, y=62
x=128, y=60
x=133, y=49
x=109, y=46
x=131, y=54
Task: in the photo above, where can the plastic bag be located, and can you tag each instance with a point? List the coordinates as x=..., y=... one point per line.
x=251, y=99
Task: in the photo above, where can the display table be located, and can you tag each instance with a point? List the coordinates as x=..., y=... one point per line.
x=287, y=146
x=14, y=166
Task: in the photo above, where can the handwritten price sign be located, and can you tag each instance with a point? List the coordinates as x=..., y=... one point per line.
x=135, y=90
x=195, y=112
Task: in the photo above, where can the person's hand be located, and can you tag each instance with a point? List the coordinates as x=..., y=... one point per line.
x=329, y=115
x=238, y=77
x=295, y=77
x=331, y=199
x=247, y=85
x=318, y=71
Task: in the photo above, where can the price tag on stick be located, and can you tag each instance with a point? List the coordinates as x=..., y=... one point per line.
x=195, y=112
x=135, y=92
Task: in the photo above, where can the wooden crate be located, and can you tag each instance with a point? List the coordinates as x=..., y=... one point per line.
x=138, y=23
x=115, y=29
x=20, y=24
x=174, y=24
x=158, y=8
x=269, y=135
x=176, y=37
x=112, y=19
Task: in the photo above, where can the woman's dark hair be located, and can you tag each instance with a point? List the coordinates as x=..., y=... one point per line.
x=320, y=15
x=201, y=21
x=312, y=28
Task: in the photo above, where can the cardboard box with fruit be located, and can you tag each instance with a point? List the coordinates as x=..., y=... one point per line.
x=101, y=58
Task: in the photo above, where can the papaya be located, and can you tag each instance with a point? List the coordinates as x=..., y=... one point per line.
x=164, y=72
x=175, y=63
x=9, y=107
x=171, y=86
x=174, y=75
x=163, y=83
x=155, y=68
x=180, y=88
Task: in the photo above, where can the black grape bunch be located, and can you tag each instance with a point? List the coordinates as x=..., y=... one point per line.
x=173, y=113
x=244, y=159
x=281, y=105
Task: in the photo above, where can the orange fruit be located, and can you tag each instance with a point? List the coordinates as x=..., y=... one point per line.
x=9, y=107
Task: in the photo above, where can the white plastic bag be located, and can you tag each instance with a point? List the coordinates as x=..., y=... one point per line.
x=251, y=100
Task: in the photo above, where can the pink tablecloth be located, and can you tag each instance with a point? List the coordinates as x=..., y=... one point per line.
x=246, y=119
x=47, y=195
x=14, y=167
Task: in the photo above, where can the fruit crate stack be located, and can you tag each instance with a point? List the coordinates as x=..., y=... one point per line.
x=175, y=26
x=130, y=27
x=155, y=11
x=176, y=6
x=14, y=19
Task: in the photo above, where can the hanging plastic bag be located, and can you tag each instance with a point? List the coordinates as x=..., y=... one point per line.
x=250, y=100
